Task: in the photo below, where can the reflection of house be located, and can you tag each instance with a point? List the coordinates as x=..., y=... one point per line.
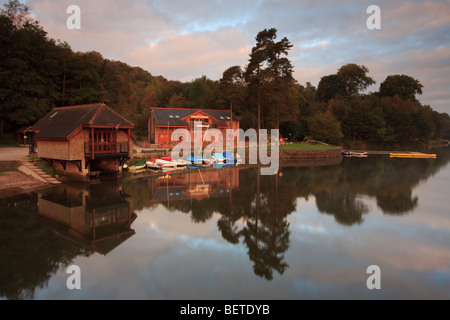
x=99, y=219
x=80, y=139
x=163, y=122
x=196, y=185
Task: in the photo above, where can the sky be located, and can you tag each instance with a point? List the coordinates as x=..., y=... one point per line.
x=184, y=40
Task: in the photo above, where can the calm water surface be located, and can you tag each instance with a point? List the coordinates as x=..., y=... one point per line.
x=307, y=233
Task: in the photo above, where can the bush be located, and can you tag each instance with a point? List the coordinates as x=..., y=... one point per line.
x=44, y=166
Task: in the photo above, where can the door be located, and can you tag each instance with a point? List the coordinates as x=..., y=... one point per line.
x=104, y=141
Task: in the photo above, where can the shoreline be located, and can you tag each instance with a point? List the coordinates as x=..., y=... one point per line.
x=14, y=183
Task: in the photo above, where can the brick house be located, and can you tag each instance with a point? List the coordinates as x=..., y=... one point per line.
x=163, y=122
x=79, y=140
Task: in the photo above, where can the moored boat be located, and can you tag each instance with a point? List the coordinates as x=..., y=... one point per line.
x=136, y=167
x=218, y=158
x=413, y=155
x=165, y=163
x=151, y=164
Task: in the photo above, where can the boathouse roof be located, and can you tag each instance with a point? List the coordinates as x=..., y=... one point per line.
x=63, y=122
x=176, y=117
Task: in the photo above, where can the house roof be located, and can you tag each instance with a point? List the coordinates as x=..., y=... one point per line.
x=63, y=122
x=174, y=117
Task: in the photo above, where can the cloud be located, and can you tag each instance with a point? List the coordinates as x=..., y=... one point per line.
x=187, y=56
x=183, y=40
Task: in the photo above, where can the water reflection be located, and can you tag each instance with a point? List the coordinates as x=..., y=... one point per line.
x=45, y=231
x=30, y=254
x=254, y=209
x=98, y=218
x=42, y=232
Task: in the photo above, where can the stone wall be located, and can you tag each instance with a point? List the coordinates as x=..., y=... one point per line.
x=310, y=154
x=72, y=170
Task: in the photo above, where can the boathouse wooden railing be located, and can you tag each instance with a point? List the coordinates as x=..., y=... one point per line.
x=121, y=148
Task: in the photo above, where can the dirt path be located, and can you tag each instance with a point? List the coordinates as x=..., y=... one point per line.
x=14, y=182
x=13, y=154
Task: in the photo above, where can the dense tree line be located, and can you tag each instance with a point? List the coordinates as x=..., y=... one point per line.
x=38, y=73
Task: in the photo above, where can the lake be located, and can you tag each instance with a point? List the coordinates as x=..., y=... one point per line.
x=310, y=232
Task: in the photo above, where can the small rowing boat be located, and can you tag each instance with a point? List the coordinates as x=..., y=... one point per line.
x=136, y=167
x=165, y=164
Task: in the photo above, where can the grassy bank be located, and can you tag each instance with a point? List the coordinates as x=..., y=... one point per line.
x=4, y=145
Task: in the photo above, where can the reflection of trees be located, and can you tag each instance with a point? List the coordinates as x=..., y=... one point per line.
x=30, y=254
x=397, y=204
x=339, y=189
x=347, y=209
x=256, y=214
x=266, y=233
x=266, y=247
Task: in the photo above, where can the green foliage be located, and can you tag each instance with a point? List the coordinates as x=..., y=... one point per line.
x=323, y=126
x=45, y=167
x=272, y=88
x=37, y=74
x=329, y=87
x=354, y=78
x=403, y=86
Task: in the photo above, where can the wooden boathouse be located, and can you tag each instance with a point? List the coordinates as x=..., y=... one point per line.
x=164, y=121
x=84, y=140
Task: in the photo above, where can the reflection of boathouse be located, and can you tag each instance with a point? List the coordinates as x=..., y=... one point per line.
x=99, y=219
x=195, y=185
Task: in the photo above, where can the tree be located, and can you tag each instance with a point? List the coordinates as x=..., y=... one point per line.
x=178, y=101
x=269, y=76
x=403, y=86
x=29, y=73
x=17, y=12
x=203, y=93
x=233, y=88
x=255, y=74
x=323, y=126
x=354, y=79
x=329, y=87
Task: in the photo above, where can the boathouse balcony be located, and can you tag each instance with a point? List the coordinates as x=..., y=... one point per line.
x=106, y=150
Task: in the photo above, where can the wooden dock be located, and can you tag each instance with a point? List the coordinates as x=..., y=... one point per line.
x=396, y=154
